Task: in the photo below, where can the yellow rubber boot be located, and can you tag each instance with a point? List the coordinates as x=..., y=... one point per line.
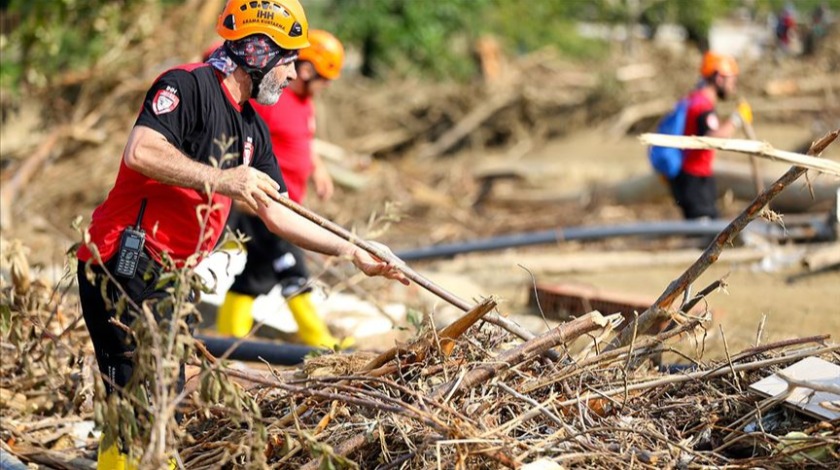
x=234, y=316
x=113, y=459
x=311, y=328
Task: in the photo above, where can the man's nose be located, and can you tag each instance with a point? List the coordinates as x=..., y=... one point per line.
x=292, y=74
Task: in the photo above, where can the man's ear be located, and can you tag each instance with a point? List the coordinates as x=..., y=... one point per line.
x=305, y=71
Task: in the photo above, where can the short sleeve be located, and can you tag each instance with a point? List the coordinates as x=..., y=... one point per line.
x=171, y=106
x=707, y=122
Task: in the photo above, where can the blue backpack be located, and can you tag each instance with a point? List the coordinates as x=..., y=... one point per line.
x=668, y=160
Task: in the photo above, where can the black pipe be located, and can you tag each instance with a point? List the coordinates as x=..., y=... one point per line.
x=257, y=351
x=597, y=232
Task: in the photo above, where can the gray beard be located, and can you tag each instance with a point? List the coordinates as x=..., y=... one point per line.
x=270, y=90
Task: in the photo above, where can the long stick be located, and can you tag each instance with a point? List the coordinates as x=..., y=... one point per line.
x=408, y=272
x=657, y=312
x=761, y=149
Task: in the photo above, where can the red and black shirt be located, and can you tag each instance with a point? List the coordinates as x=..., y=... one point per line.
x=700, y=120
x=194, y=111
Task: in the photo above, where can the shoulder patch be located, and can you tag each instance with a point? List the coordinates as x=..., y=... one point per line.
x=712, y=121
x=166, y=100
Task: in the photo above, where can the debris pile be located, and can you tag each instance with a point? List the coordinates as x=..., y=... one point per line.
x=469, y=395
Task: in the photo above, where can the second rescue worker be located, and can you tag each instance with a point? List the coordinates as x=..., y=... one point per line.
x=694, y=188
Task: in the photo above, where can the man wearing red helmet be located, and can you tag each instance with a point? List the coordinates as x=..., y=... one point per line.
x=694, y=188
x=272, y=260
x=174, y=191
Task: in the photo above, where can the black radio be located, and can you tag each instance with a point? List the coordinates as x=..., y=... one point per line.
x=131, y=246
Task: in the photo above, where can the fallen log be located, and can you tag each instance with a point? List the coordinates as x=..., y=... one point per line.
x=630, y=115
x=587, y=262
x=801, y=86
x=649, y=187
x=468, y=123
x=822, y=258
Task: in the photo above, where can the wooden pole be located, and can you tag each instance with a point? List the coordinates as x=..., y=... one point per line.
x=413, y=275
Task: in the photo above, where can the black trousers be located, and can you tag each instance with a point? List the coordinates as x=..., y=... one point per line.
x=112, y=345
x=271, y=261
x=696, y=195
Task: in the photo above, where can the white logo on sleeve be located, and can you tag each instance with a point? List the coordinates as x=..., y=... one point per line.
x=712, y=122
x=166, y=100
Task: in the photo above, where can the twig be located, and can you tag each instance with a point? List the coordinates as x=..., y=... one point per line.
x=343, y=450
x=729, y=359
x=537, y=346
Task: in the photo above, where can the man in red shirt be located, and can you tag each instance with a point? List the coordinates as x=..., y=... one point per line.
x=175, y=187
x=272, y=260
x=694, y=188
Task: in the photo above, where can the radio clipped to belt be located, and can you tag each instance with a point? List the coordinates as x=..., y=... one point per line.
x=131, y=246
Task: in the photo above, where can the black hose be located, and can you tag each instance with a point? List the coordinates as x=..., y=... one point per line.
x=257, y=351
x=647, y=229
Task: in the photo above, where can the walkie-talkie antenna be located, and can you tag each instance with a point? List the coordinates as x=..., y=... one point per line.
x=140, y=215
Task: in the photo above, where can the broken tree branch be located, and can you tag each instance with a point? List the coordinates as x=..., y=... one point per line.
x=750, y=147
x=657, y=312
x=562, y=333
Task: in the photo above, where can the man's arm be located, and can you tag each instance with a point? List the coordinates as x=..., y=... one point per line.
x=296, y=229
x=148, y=152
x=321, y=178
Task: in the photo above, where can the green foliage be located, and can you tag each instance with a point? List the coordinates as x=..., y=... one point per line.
x=48, y=37
x=431, y=38
x=527, y=26
x=409, y=36
x=695, y=16
x=437, y=37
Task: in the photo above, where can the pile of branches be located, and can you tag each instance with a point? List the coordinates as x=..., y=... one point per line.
x=470, y=395
x=46, y=377
x=479, y=398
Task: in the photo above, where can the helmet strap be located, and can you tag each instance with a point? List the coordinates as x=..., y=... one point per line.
x=256, y=74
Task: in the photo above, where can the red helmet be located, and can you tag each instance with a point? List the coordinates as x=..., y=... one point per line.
x=325, y=53
x=721, y=64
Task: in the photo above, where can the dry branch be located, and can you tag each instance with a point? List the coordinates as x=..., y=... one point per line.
x=472, y=120
x=750, y=147
x=411, y=274
x=657, y=312
x=535, y=347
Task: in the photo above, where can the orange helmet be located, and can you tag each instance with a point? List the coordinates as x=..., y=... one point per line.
x=325, y=53
x=281, y=20
x=721, y=64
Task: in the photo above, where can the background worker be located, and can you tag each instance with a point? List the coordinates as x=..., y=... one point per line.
x=694, y=188
x=272, y=260
x=170, y=160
